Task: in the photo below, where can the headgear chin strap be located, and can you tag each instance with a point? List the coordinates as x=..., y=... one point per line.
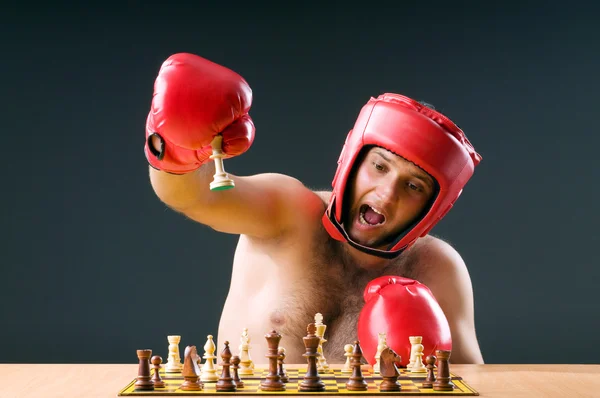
x=418, y=134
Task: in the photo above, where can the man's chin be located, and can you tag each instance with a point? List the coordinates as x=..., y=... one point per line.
x=371, y=243
x=368, y=241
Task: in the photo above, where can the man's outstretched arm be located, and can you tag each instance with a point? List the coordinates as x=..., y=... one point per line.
x=195, y=104
x=262, y=206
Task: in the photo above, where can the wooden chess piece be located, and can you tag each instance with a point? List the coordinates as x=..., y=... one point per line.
x=280, y=368
x=221, y=180
x=322, y=365
x=417, y=365
x=208, y=371
x=443, y=382
x=312, y=381
x=430, y=361
x=144, y=382
x=225, y=382
x=356, y=381
x=414, y=341
x=388, y=370
x=246, y=364
x=190, y=372
x=156, y=379
x=173, y=360
x=381, y=345
x=272, y=382
x=347, y=368
x=235, y=366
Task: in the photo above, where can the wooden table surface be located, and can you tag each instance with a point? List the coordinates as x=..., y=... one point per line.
x=103, y=380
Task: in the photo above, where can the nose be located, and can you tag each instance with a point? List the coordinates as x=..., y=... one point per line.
x=387, y=191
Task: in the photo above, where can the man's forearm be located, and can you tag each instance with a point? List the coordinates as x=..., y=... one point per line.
x=185, y=190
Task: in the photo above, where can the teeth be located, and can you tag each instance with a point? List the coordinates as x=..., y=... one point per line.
x=362, y=219
x=375, y=210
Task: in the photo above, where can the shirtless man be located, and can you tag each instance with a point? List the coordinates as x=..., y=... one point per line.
x=302, y=252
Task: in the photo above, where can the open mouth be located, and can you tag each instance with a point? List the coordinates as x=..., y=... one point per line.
x=370, y=216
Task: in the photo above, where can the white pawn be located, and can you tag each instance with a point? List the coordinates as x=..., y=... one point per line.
x=347, y=368
x=209, y=372
x=418, y=366
x=381, y=345
x=174, y=364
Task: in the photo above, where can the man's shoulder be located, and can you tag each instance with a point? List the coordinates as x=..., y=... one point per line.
x=301, y=206
x=444, y=272
x=324, y=195
x=437, y=257
x=293, y=189
x=293, y=183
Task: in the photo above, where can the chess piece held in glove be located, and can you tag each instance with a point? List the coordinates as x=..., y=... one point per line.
x=401, y=308
x=199, y=112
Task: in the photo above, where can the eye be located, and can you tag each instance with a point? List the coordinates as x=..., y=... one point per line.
x=378, y=166
x=415, y=187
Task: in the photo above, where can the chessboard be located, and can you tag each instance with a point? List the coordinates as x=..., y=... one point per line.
x=335, y=384
x=239, y=375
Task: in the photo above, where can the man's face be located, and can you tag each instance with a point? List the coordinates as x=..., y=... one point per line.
x=387, y=193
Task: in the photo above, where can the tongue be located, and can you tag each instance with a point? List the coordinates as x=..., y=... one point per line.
x=373, y=218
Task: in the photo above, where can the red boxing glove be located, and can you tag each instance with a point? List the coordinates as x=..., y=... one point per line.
x=401, y=307
x=194, y=100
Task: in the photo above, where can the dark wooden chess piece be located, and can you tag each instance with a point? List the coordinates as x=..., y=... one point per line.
x=280, y=368
x=356, y=381
x=144, y=382
x=272, y=382
x=430, y=364
x=389, y=371
x=225, y=382
x=191, y=376
x=443, y=382
x=156, y=379
x=235, y=365
x=312, y=381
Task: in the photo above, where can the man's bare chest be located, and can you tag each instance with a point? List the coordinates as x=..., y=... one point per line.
x=321, y=301
x=283, y=287
x=329, y=285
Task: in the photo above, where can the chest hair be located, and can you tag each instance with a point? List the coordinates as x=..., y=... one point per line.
x=342, y=282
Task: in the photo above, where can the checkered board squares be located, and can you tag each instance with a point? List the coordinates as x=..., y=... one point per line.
x=336, y=373
x=335, y=384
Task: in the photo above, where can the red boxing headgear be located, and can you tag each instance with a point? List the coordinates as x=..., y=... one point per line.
x=418, y=134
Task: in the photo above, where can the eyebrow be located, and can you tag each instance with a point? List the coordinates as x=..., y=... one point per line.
x=420, y=176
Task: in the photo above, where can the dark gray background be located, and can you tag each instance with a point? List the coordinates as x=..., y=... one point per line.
x=94, y=266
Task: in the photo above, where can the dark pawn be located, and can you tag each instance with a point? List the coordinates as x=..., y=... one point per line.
x=312, y=381
x=191, y=376
x=235, y=365
x=443, y=382
x=272, y=382
x=430, y=364
x=389, y=371
x=280, y=369
x=143, y=378
x=226, y=382
x=156, y=380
